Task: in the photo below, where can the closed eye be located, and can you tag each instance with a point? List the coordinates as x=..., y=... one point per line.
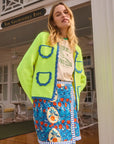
x=58, y=14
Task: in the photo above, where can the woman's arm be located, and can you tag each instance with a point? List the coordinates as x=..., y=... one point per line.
x=25, y=69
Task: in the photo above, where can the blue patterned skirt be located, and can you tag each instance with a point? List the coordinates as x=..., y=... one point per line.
x=56, y=121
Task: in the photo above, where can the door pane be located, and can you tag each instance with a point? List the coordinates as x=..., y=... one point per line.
x=5, y=92
x=15, y=91
x=5, y=73
x=14, y=73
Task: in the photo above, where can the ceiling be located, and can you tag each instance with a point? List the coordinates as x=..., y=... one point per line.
x=26, y=33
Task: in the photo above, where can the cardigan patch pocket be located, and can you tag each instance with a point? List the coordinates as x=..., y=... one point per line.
x=43, y=78
x=78, y=67
x=45, y=51
x=78, y=64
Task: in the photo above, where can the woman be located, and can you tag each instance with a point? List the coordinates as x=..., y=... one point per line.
x=52, y=75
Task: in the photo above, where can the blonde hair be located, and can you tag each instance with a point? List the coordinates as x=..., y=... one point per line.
x=55, y=35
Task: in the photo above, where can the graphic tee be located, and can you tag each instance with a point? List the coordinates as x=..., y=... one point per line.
x=65, y=62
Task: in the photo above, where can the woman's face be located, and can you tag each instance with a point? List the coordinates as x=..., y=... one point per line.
x=61, y=17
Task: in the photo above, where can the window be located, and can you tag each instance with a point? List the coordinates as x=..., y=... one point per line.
x=17, y=92
x=90, y=77
x=88, y=87
x=87, y=60
x=3, y=83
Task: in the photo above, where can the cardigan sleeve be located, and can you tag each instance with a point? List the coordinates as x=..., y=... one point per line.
x=25, y=69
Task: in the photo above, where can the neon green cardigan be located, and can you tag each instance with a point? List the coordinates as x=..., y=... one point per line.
x=37, y=72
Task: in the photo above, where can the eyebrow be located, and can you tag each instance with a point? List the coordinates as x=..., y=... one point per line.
x=59, y=11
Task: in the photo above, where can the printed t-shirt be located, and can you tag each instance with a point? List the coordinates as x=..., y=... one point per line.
x=65, y=62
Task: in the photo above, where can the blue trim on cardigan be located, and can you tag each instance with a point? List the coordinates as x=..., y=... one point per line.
x=43, y=84
x=78, y=61
x=42, y=54
x=79, y=71
x=55, y=84
x=75, y=81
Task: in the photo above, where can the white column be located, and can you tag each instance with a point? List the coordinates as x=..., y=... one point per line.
x=103, y=33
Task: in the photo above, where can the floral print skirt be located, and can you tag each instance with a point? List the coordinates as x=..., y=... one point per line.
x=56, y=121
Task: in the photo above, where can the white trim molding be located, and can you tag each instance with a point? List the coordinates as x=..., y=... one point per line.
x=31, y=5
x=103, y=35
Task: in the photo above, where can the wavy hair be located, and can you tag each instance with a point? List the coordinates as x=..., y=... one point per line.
x=55, y=34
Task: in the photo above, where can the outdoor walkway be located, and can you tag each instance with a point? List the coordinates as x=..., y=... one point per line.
x=89, y=136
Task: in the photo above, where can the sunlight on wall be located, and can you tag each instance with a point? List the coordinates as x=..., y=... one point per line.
x=103, y=32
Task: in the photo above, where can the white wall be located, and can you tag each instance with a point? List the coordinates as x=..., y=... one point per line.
x=103, y=32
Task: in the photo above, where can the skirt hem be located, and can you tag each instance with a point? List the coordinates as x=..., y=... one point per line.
x=65, y=142
x=62, y=142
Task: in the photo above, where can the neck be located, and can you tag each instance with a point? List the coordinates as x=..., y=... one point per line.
x=64, y=33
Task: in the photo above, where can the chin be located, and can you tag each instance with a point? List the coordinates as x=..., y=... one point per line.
x=66, y=26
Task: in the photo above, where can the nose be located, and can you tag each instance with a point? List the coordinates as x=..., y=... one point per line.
x=63, y=14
